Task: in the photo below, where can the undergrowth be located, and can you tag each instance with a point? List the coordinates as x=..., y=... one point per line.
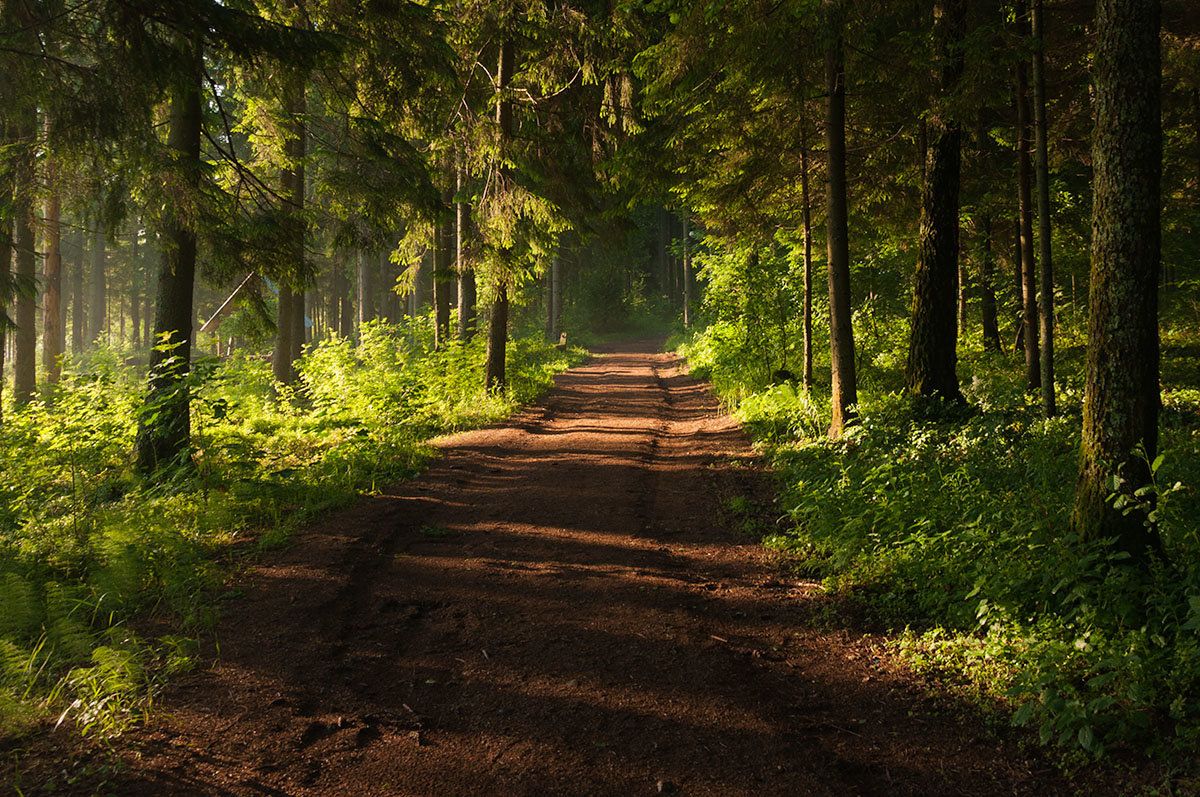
x=91, y=557
x=950, y=528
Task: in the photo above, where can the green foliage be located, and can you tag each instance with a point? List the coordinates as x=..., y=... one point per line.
x=86, y=549
x=952, y=527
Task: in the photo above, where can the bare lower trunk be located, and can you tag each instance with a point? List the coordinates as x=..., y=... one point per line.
x=495, y=377
x=53, y=335
x=135, y=283
x=1046, y=296
x=443, y=274
x=1121, y=393
x=495, y=369
x=933, y=343
x=164, y=431
x=466, y=275
x=290, y=327
x=98, y=298
x=844, y=392
x=806, y=210
x=1029, y=319
x=25, y=335
x=366, y=287
x=6, y=251
x=987, y=292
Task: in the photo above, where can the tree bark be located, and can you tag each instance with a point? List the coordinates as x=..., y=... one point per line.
x=135, y=283
x=963, y=296
x=1029, y=319
x=98, y=299
x=933, y=342
x=844, y=387
x=686, y=277
x=1046, y=296
x=6, y=253
x=495, y=376
x=78, y=299
x=149, y=298
x=443, y=273
x=53, y=334
x=366, y=287
x=164, y=431
x=806, y=216
x=466, y=275
x=549, y=300
x=281, y=358
x=987, y=293
x=1121, y=395
x=290, y=329
x=25, y=336
x=556, y=296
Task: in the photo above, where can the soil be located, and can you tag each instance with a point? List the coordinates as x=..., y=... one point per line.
x=561, y=605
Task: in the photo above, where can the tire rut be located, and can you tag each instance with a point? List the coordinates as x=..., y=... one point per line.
x=557, y=606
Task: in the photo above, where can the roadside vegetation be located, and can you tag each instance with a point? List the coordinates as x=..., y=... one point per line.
x=949, y=527
x=108, y=579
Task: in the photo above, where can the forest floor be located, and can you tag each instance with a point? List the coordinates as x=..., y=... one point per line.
x=563, y=604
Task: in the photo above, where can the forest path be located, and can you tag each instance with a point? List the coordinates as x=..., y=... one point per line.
x=556, y=607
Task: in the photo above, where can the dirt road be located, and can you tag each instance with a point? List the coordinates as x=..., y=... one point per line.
x=558, y=607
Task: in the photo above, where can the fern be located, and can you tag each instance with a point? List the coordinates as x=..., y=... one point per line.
x=21, y=615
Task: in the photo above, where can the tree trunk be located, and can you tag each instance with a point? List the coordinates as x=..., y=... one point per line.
x=686, y=277
x=1018, y=270
x=443, y=275
x=366, y=287
x=806, y=215
x=25, y=336
x=933, y=343
x=1029, y=319
x=663, y=252
x=98, y=300
x=290, y=329
x=164, y=431
x=78, y=299
x=987, y=293
x=6, y=253
x=281, y=362
x=556, y=295
x=962, y=296
x=466, y=275
x=135, y=283
x=495, y=375
x=1121, y=394
x=390, y=307
x=53, y=334
x=549, y=300
x=1046, y=296
x=844, y=392
x=342, y=309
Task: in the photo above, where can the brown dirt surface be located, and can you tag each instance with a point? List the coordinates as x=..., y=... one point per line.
x=559, y=606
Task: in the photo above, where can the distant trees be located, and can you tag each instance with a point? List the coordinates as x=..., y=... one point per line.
x=404, y=166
